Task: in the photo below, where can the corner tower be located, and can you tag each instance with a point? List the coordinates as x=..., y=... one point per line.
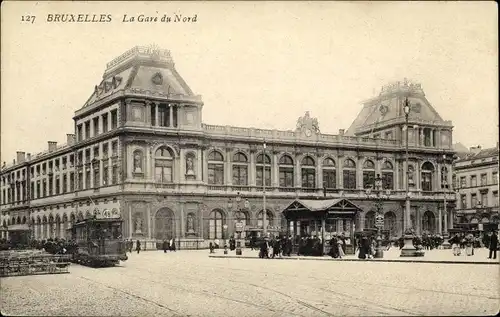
x=383, y=117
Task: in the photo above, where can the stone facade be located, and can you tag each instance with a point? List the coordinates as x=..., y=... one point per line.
x=476, y=184
x=140, y=147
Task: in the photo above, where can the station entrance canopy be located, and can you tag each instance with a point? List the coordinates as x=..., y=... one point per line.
x=302, y=209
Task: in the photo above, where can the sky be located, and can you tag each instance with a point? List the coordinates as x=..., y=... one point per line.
x=256, y=65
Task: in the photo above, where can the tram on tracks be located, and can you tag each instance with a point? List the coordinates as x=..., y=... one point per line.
x=98, y=240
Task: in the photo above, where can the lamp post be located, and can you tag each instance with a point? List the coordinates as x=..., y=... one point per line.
x=238, y=224
x=264, y=211
x=408, y=249
x=445, y=186
x=379, y=252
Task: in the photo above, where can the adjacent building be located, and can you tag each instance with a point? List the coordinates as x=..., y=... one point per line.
x=476, y=183
x=141, y=149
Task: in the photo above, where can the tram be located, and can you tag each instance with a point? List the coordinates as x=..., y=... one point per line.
x=98, y=240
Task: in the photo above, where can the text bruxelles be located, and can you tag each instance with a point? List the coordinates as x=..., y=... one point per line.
x=103, y=18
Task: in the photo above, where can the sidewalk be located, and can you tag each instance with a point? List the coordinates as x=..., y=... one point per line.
x=431, y=256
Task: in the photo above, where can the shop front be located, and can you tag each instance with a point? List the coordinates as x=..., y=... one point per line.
x=321, y=219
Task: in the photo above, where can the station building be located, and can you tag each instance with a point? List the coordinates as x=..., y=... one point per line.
x=476, y=184
x=140, y=149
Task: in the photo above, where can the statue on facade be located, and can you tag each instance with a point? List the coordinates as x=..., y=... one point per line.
x=137, y=162
x=307, y=125
x=138, y=225
x=189, y=165
x=190, y=223
x=411, y=173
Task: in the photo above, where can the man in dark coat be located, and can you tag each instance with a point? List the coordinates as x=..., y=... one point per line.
x=138, y=246
x=165, y=245
x=493, y=245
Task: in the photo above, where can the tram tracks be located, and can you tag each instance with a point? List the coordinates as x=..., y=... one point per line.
x=371, y=308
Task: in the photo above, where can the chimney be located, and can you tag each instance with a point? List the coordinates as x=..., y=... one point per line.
x=52, y=146
x=14, y=161
x=341, y=131
x=28, y=157
x=20, y=157
x=70, y=139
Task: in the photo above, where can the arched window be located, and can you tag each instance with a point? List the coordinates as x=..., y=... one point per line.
x=368, y=174
x=329, y=173
x=370, y=220
x=259, y=169
x=23, y=221
x=58, y=227
x=215, y=225
x=286, y=171
x=390, y=223
x=242, y=216
x=13, y=220
x=308, y=173
x=269, y=219
x=429, y=222
x=164, y=165
x=349, y=173
x=240, y=169
x=427, y=176
x=215, y=168
x=387, y=175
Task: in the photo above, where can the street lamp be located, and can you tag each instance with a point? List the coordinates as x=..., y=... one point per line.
x=408, y=250
x=264, y=211
x=379, y=252
x=445, y=186
x=238, y=225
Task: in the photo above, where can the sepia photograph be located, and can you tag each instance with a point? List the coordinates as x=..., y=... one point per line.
x=244, y=158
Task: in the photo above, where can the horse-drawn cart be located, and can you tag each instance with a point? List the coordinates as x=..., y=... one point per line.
x=17, y=263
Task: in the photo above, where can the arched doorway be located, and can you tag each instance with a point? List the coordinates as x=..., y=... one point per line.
x=164, y=224
x=269, y=219
x=370, y=220
x=390, y=223
x=216, y=225
x=429, y=222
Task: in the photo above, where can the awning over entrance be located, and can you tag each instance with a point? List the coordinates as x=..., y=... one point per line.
x=304, y=208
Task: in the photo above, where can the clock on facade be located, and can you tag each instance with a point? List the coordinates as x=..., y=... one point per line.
x=308, y=132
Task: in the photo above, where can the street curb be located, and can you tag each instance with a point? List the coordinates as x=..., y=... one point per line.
x=354, y=260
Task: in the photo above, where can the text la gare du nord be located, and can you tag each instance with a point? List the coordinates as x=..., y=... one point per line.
x=142, y=18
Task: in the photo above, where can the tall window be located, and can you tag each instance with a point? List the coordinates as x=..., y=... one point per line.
x=390, y=223
x=473, y=200
x=114, y=148
x=38, y=189
x=87, y=129
x=484, y=199
x=215, y=168
x=240, y=169
x=387, y=175
x=95, y=121
x=51, y=185
x=286, y=171
x=114, y=119
x=349, y=173
x=164, y=162
x=308, y=173
x=87, y=177
x=65, y=183
x=427, y=176
x=80, y=179
x=96, y=175
x=484, y=179
x=44, y=188
x=72, y=182
x=463, y=182
x=32, y=191
x=463, y=201
x=215, y=225
x=368, y=174
x=79, y=133
x=114, y=173
x=58, y=185
x=259, y=169
x=163, y=116
x=495, y=198
x=105, y=172
x=473, y=181
x=104, y=123
x=494, y=177
x=329, y=173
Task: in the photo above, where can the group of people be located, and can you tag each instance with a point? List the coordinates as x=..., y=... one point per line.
x=469, y=242
x=275, y=247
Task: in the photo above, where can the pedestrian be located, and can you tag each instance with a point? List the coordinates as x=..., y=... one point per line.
x=130, y=245
x=493, y=245
x=211, y=246
x=138, y=246
x=172, y=244
x=455, y=245
x=165, y=245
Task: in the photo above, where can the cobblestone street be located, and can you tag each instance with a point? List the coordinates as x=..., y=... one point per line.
x=191, y=283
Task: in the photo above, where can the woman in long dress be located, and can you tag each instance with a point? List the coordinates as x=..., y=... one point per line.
x=455, y=245
x=469, y=242
x=340, y=247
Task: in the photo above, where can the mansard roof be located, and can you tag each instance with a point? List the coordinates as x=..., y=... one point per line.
x=387, y=108
x=484, y=153
x=141, y=69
